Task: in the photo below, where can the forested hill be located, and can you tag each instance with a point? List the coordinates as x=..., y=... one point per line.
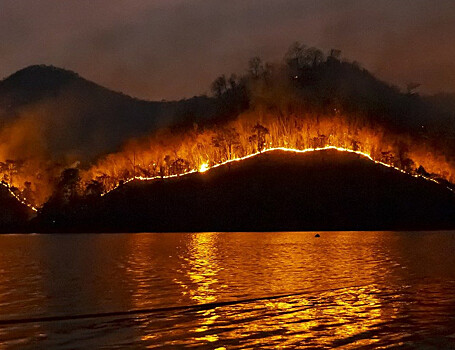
x=54, y=123
x=275, y=191
x=77, y=117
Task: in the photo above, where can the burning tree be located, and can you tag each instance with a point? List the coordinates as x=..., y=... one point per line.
x=227, y=140
x=259, y=136
x=9, y=169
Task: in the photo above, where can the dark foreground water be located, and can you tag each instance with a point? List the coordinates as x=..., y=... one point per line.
x=350, y=290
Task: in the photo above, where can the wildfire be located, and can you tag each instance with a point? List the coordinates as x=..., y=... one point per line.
x=258, y=113
x=21, y=200
x=167, y=155
x=204, y=167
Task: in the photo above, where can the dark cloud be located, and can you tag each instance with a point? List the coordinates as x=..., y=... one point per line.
x=175, y=48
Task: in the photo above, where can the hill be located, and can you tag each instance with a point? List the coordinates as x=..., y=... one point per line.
x=79, y=117
x=13, y=214
x=325, y=190
x=52, y=120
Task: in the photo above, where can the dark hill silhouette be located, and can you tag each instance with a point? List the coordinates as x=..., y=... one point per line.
x=81, y=118
x=445, y=104
x=345, y=86
x=325, y=190
x=30, y=84
x=84, y=118
x=13, y=214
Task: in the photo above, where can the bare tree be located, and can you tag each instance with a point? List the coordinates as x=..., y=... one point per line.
x=10, y=168
x=256, y=67
x=219, y=86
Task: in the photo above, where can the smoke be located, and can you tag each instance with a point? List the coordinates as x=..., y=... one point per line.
x=35, y=147
x=23, y=139
x=173, y=49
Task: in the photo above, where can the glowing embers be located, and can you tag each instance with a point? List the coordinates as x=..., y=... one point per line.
x=21, y=200
x=203, y=168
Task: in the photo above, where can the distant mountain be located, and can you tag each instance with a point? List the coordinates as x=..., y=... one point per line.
x=325, y=190
x=354, y=90
x=79, y=117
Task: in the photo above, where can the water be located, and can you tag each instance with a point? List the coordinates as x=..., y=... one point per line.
x=351, y=290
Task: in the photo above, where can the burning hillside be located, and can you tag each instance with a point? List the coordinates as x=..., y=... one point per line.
x=307, y=102
x=249, y=135
x=302, y=104
x=277, y=190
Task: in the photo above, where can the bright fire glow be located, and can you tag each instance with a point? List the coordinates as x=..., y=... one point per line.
x=319, y=149
x=21, y=200
x=168, y=153
x=203, y=168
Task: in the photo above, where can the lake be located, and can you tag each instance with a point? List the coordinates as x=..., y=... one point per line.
x=228, y=290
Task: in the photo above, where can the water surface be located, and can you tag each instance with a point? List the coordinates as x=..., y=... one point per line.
x=349, y=290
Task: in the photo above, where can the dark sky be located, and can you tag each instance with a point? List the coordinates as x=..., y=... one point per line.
x=169, y=49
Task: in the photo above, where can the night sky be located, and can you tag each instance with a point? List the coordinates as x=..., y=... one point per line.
x=158, y=49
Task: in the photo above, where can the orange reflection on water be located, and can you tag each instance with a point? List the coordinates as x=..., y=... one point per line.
x=202, y=268
x=337, y=314
x=344, y=283
x=349, y=290
x=304, y=321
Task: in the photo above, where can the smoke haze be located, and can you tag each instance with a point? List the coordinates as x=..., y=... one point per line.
x=173, y=49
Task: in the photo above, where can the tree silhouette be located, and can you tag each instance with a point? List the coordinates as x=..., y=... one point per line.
x=69, y=186
x=179, y=166
x=94, y=189
x=256, y=67
x=219, y=86
x=9, y=169
x=259, y=134
x=226, y=140
x=28, y=193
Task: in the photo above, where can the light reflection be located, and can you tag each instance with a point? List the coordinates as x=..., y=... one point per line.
x=202, y=268
x=313, y=320
x=322, y=316
x=346, y=280
x=354, y=291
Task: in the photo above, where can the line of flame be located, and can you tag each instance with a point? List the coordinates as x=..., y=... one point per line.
x=205, y=167
x=340, y=149
x=21, y=200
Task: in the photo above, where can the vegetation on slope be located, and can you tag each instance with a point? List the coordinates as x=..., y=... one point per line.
x=308, y=100
x=324, y=190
